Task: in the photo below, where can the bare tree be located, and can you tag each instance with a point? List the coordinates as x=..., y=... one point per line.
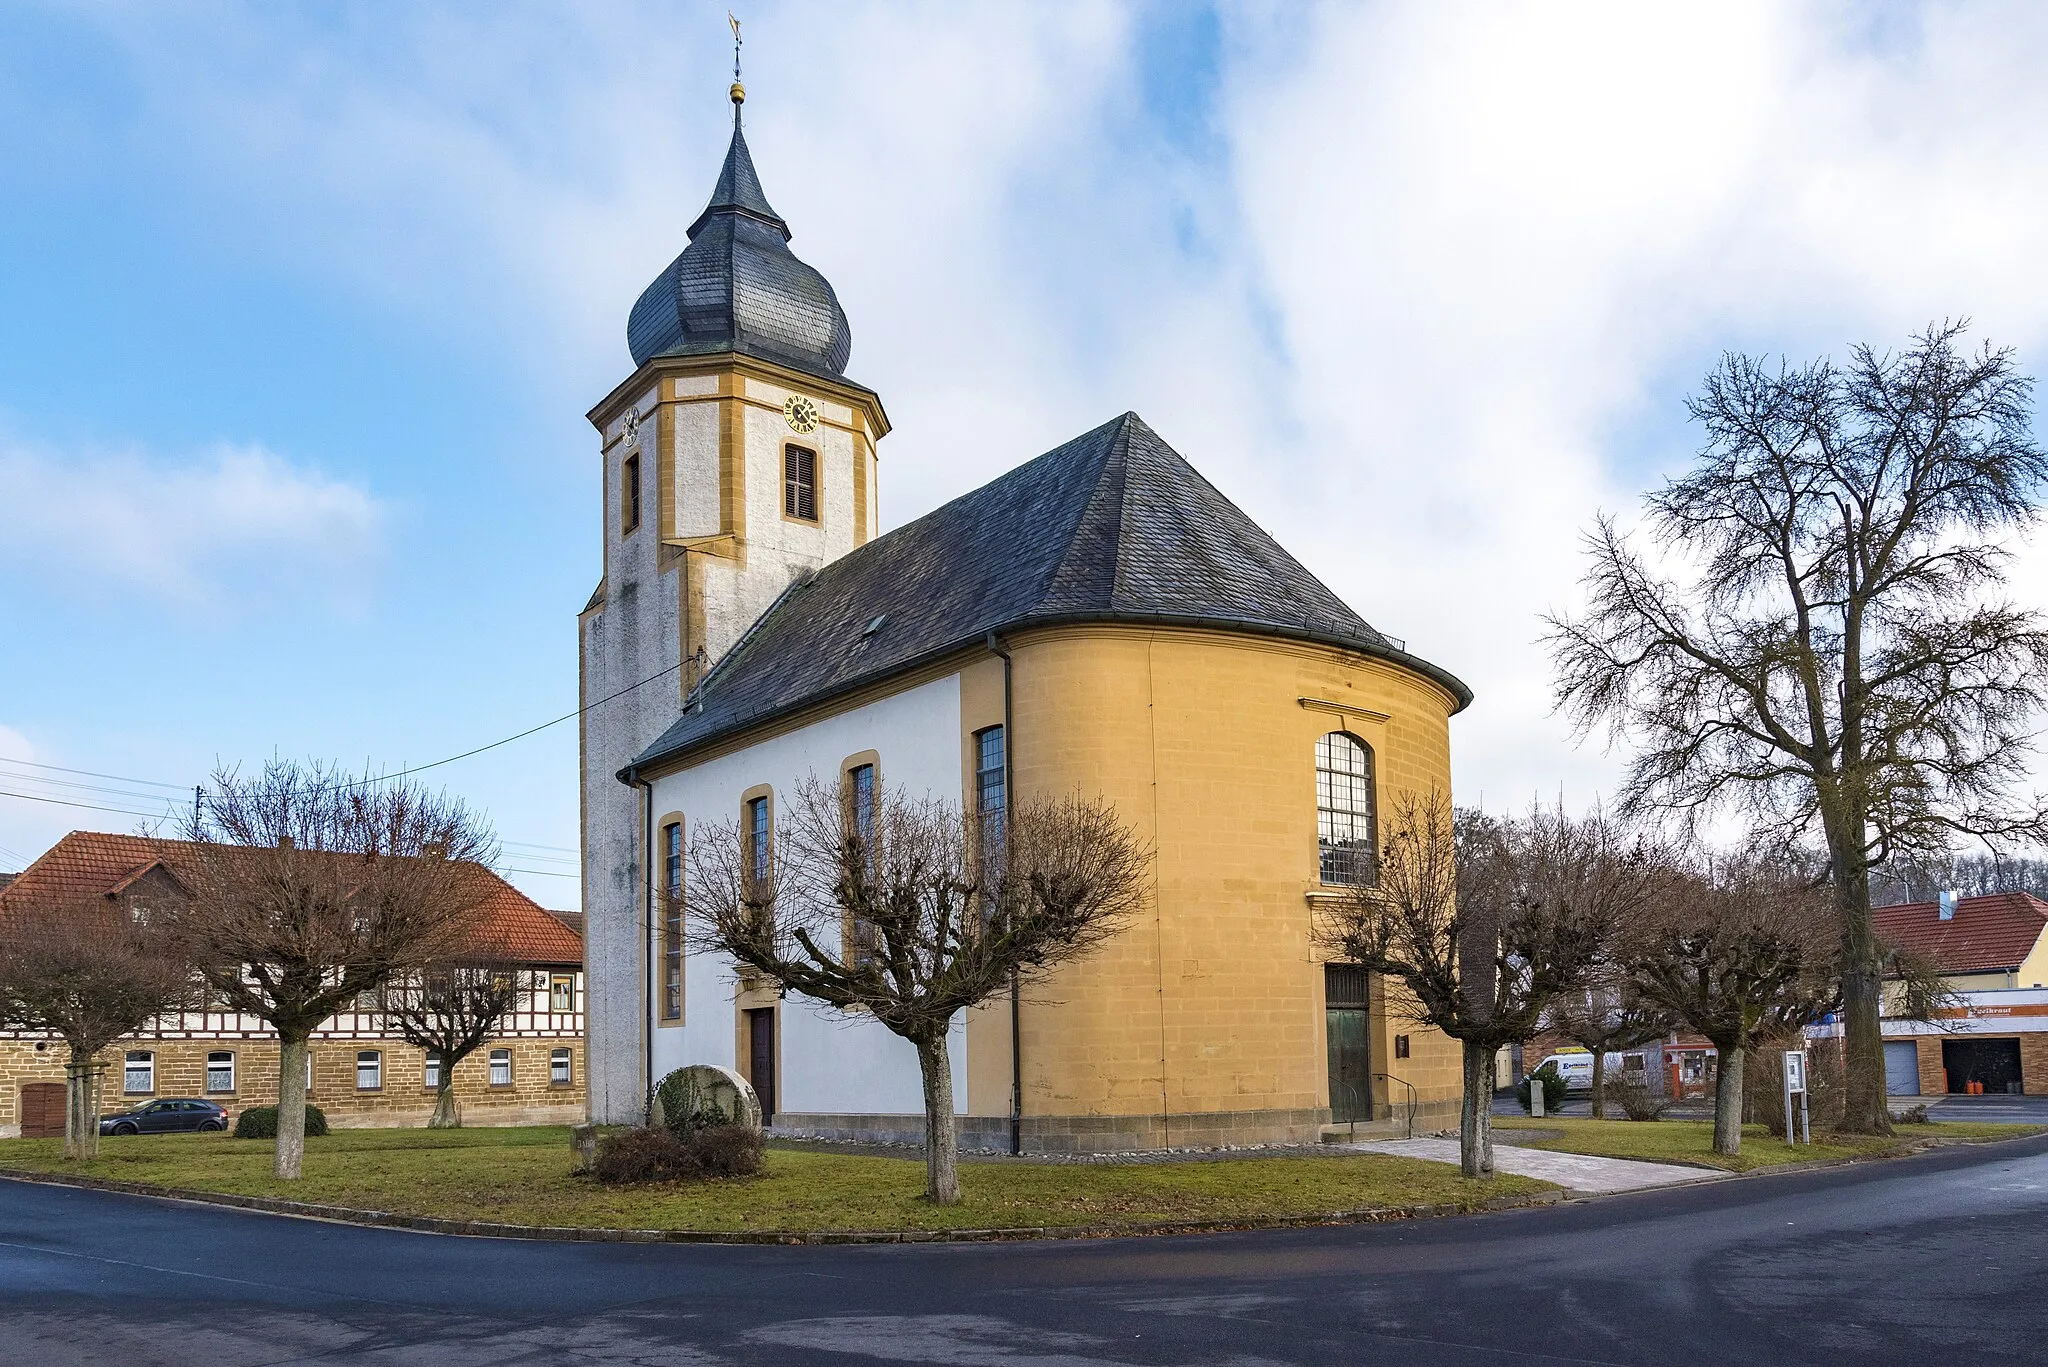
x=450, y=1009
x=1819, y=637
x=311, y=889
x=1604, y=1016
x=1743, y=951
x=89, y=970
x=1486, y=922
x=1971, y=875
x=911, y=912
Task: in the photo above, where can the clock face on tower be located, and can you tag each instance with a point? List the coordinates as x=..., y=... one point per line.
x=800, y=413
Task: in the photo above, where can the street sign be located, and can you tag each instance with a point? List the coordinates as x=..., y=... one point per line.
x=1795, y=1085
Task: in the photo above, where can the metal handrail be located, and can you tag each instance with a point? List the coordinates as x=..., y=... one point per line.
x=1412, y=1101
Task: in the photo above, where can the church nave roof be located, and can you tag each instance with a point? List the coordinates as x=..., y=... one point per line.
x=1113, y=526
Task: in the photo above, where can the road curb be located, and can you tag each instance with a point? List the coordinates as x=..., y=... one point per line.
x=488, y=1229
x=1912, y=1148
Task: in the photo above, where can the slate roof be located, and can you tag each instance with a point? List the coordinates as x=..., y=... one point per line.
x=93, y=863
x=1114, y=526
x=1987, y=935
x=738, y=287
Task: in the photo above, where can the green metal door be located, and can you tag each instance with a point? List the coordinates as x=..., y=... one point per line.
x=1345, y=1010
x=1350, y=1065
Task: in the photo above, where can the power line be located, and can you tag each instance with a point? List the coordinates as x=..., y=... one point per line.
x=566, y=716
x=89, y=806
x=381, y=778
x=118, y=778
x=85, y=787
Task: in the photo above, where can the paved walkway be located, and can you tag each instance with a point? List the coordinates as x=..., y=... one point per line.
x=1573, y=1171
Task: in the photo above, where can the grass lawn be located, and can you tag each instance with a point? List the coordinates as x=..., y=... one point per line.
x=1692, y=1141
x=521, y=1176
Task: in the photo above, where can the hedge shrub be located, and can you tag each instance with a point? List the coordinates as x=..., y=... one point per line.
x=653, y=1153
x=260, y=1122
x=728, y=1150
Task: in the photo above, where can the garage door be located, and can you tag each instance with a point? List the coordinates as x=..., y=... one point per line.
x=1902, y=1067
x=1995, y=1063
x=42, y=1110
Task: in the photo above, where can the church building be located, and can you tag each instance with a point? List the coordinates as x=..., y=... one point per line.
x=1100, y=620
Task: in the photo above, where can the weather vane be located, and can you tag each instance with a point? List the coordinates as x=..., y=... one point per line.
x=739, y=92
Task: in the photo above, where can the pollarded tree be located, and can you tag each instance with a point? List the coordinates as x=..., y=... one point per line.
x=310, y=889
x=909, y=912
x=449, y=1009
x=1486, y=923
x=1604, y=1016
x=89, y=970
x=1817, y=635
x=1744, y=952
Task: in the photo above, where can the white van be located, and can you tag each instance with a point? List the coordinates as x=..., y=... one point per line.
x=1577, y=1069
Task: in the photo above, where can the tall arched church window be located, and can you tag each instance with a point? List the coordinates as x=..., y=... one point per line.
x=1345, y=825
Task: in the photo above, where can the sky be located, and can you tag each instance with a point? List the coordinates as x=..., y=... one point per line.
x=301, y=308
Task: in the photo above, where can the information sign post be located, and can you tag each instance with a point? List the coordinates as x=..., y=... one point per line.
x=1795, y=1085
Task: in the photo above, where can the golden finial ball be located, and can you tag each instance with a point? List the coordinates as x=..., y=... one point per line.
x=739, y=93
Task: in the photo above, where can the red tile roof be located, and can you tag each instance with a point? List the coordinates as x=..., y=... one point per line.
x=1987, y=934
x=85, y=863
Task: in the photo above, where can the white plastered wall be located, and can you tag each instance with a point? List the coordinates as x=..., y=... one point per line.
x=635, y=636
x=830, y=1063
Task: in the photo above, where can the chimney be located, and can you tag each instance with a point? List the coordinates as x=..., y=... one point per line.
x=1948, y=906
x=284, y=842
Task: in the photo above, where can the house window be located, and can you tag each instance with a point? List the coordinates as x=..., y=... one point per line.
x=501, y=1067
x=369, y=1070
x=860, y=815
x=1400, y=1046
x=561, y=1069
x=430, y=1072
x=800, y=483
x=139, y=1074
x=671, y=921
x=991, y=796
x=562, y=989
x=1344, y=811
x=759, y=840
x=629, y=494
x=220, y=1071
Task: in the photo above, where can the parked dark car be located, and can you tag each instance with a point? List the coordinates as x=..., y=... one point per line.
x=165, y=1117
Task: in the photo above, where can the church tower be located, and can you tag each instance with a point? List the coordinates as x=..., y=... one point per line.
x=736, y=458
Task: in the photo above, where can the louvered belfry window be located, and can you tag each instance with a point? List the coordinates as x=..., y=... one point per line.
x=800, y=483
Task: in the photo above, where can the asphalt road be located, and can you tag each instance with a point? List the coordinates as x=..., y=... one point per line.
x=1938, y=1258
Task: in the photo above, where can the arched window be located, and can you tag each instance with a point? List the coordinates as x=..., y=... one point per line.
x=1345, y=828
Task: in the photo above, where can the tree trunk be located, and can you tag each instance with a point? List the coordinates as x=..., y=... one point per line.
x=291, y=1108
x=81, y=1109
x=447, y=1116
x=941, y=1143
x=1475, y=1123
x=1864, y=1110
x=1600, y=1083
x=1728, y=1102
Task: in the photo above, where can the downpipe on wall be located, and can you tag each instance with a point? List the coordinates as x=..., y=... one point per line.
x=996, y=648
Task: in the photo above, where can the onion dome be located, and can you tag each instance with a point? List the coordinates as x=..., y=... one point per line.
x=738, y=287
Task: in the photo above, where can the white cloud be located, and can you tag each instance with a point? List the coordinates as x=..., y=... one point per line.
x=1450, y=279
x=236, y=529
